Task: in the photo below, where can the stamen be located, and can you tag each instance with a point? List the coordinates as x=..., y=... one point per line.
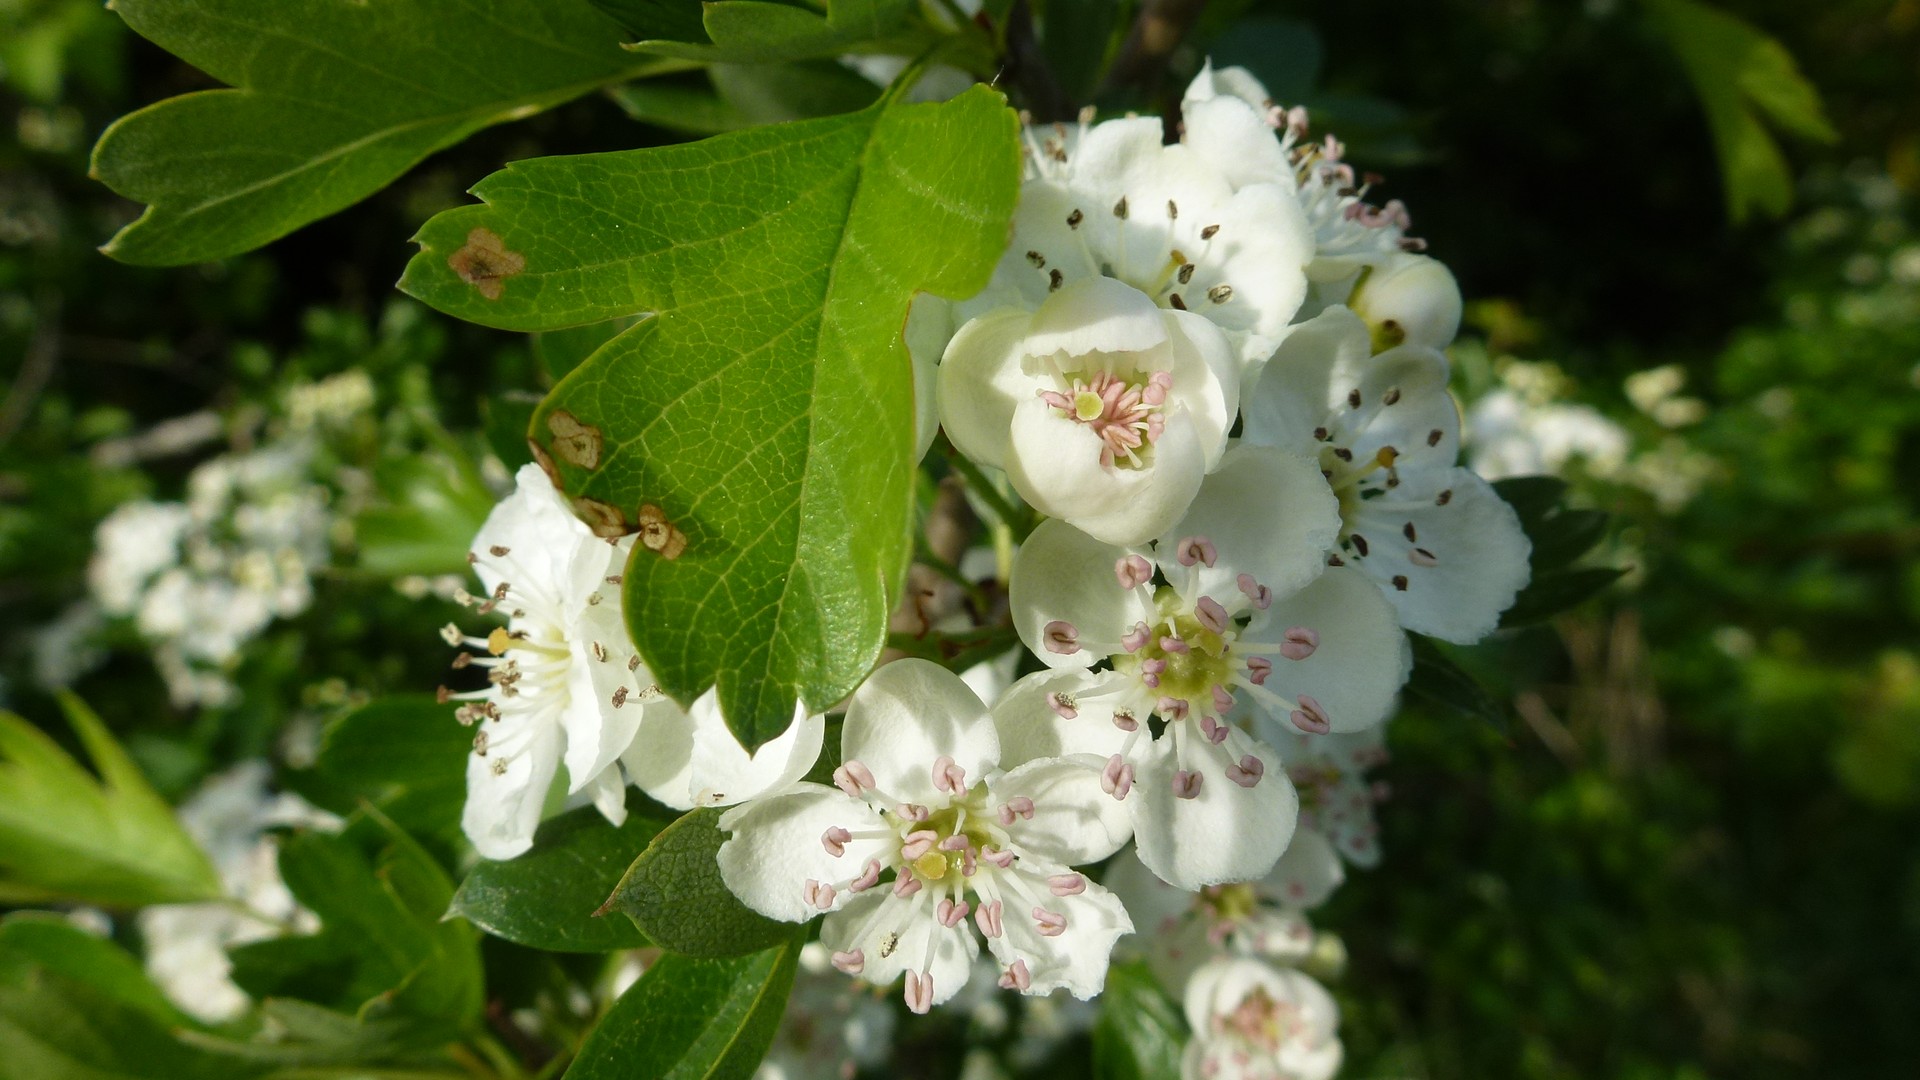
x=1186, y=785
x=850, y=963
x=1196, y=549
x=868, y=879
x=1248, y=772
x=987, y=918
x=1258, y=594
x=1117, y=779
x=1051, y=923
x=853, y=778
x=1016, y=977
x=1125, y=721
x=919, y=992
x=1067, y=884
x=1060, y=637
x=1211, y=614
x=1310, y=717
x=1133, y=640
x=1062, y=705
x=1299, y=642
x=948, y=777
x=1019, y=806
x=1172, y=708
x=1132, y=571
x=835, y=840
x=951, y=914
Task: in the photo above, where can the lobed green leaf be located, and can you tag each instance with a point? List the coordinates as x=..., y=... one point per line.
x=330, y=102
x=765, y=411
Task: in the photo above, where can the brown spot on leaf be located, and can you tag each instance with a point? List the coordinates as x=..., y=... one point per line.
x=575, y=442
x=485, y=263
x=657, y=534
x=604, y=519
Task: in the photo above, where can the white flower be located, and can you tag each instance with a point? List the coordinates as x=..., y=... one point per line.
x=1111, y=200
x=186, y=944
x=565, y=684
x=1254, y=1021
x=1103, y=409
x=1233, y=123
x=130, y=546
x=1180, y=930
x=1408, y=299
x=1445, y=550
x=922, y=794
x=1509, y=435
x=1232, y=603
x=1336, y=797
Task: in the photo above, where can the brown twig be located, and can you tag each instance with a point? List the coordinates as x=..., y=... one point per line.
x=1028, y=70
x=1160, y=28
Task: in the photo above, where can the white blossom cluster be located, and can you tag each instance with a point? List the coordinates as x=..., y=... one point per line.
x=186, y=944
x=1216, y=370
x=201, y=578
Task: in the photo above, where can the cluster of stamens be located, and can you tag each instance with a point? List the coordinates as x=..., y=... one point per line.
x=1126, y=416
x=1189, y=663
x=946, y=858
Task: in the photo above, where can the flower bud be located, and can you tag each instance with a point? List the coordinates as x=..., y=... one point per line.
x=1408, y=298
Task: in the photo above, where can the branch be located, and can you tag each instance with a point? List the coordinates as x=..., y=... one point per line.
x=1161, y=27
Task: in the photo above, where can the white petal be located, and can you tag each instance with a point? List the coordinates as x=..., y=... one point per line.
x=1055, y=465
x=1422, y=426
x=1269, y=513
x=598, y=732
x=1293, y=392
x=1309, y=1048
x=981, y=380
x=1096, y=314
x=1063, y=575
x=1232, y=81
x=895, y=936
x=929, y=328
x=1307, y=873
x=1076, y=958
x=1206, y=378
x=1449, y=569
x=723, y=773
x=909, y=714
x=503, y=807
x=537, y=527
x=776, y=848
x=1409, y=298
x=1157, y=908
x=608, y=792
x=1233, y=137
x=1120, y=153
x=1043, y=245
x=1226, y=832
x=1362, y=658
x=1261, y=252
x=1031, y=727
x=660, y=757
x=1074, y=822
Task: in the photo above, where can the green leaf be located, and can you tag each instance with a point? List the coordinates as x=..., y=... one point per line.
x=1532, y=497
x=1441, y=682
x=560, y=351
x=692, y=1019
x=676, y=19
x=764, y=31
x=550, y=898
x=1140, y=1033
x=407, y=756
x=767, y=407
x=430, y=507
x=332, y=101
x=383, y=949
x=1564, y=535
x=1550, y=594
x=1743, y=77
x=49, y=940
x=66, y=836
x=505, y=419
x=674, y=894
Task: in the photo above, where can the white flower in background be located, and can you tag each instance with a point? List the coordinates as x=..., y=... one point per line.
x=1252, y=1020
x=831, y=1029
x=186, y=944
x=1103, y=409
x=1336, y=797
x=1508, y=434
x=1233, y=603
x=1408, y=299
x=1111, y=200
x=131, y=546
x=1180, y=930
x=1445, y=550
x=204, y=578
x=925, y=795
x=565, y=685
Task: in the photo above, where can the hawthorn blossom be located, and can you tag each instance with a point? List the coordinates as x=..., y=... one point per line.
x=1408, y=299
x=1102, y=408
x=565, y=686
x=1111, y=200
x=924, y=796
x=1253, y=1020
x=186, y=945
x=1181, y=930
x=1446, y=552
x=1234, y=604
x=1336, y=795
x=1233, y=122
